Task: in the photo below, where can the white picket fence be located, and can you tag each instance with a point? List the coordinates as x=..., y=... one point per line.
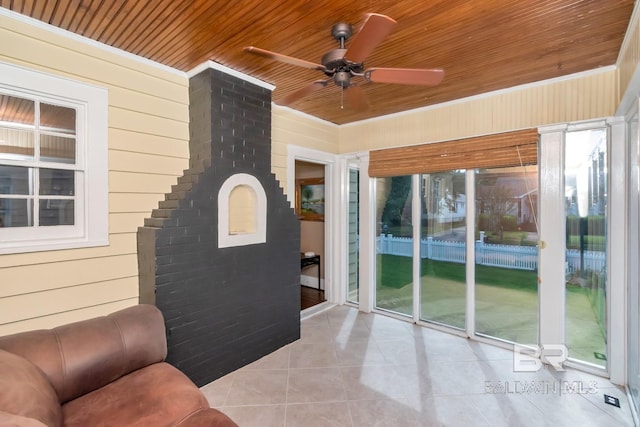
x=593, y=260
x=505, y=256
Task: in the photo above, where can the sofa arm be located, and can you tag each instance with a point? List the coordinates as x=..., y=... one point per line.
x=26, y=396
x=207, y=418
x=12, y=420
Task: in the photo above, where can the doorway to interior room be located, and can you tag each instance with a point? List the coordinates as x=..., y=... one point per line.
x=310, y=207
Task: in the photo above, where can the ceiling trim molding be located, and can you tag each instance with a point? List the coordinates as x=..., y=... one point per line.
x=217, y=66
x=606, y=69
x=87, y=41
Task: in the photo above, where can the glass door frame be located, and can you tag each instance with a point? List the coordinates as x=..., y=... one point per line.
x=551, y=206
x=633, y=251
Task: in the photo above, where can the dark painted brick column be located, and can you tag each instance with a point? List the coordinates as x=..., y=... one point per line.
x=223, y=307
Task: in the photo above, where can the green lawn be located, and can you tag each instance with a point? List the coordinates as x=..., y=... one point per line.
x=506, y=302
x=396, y=272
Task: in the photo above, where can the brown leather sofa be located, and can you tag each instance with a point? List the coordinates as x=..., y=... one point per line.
x=107, y=371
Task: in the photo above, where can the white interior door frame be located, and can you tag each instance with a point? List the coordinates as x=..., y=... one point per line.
x=332, y=256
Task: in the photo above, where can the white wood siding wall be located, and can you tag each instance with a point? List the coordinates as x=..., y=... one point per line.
x=579, y=97
x=148, y=150
x=289, y=127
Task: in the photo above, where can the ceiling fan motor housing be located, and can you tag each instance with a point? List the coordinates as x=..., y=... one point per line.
x=338, y=68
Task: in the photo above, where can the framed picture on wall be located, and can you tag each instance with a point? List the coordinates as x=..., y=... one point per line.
x=310, y=199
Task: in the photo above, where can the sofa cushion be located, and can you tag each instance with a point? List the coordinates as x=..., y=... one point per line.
x=86, y=355
x=157, y=395
x=26, y=392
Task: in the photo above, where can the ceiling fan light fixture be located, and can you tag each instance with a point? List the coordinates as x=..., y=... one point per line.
x=342, y=78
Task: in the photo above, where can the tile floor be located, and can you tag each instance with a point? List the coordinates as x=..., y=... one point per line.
x=356, y=369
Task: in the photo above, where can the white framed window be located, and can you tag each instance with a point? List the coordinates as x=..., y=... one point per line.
x=53, y=162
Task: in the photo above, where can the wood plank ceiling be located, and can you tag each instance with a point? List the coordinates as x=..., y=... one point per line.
x=482, y=45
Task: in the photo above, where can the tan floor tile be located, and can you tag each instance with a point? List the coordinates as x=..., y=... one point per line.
x=331, y=414
x=315, y=355
x=315, y=385
x=359, y=353
x=217, y=391
x=352, y=329
x=451, y=411
x=257, y=416
x=357, y=369
x=381, y=382
x=454, y=378
x=279, y=359
x=507, y=410
x=619, y=416
x=318, y=333
x=384, y=413
x=570, y=410
x=258, y=387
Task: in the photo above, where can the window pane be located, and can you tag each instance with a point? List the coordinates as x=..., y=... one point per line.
x=15, y=180
x=16, y=212
x=57, y=182
x=16, y=144
x=57, y=118
x=57, y=149
x=17, y=110
x=442, y=248
x=353, y=225
x=506, y=254
x=586, y=219
x=17, y=125
x=394, y=248
x=56, y=212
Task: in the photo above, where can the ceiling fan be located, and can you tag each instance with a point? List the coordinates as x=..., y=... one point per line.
x=342, y=64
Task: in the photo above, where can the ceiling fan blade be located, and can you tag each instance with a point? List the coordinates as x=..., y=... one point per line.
x=407, y=76
x=301, y=93
x=375, y=28
x=284, y=58
x=357, y=98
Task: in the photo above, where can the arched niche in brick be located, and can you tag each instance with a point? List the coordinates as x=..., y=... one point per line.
x=242, y=212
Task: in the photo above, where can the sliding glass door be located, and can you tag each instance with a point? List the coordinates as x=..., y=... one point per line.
x=586, y=245
x=394, y=245
x=506, y=261
x=460, y=248
x=443, y=234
